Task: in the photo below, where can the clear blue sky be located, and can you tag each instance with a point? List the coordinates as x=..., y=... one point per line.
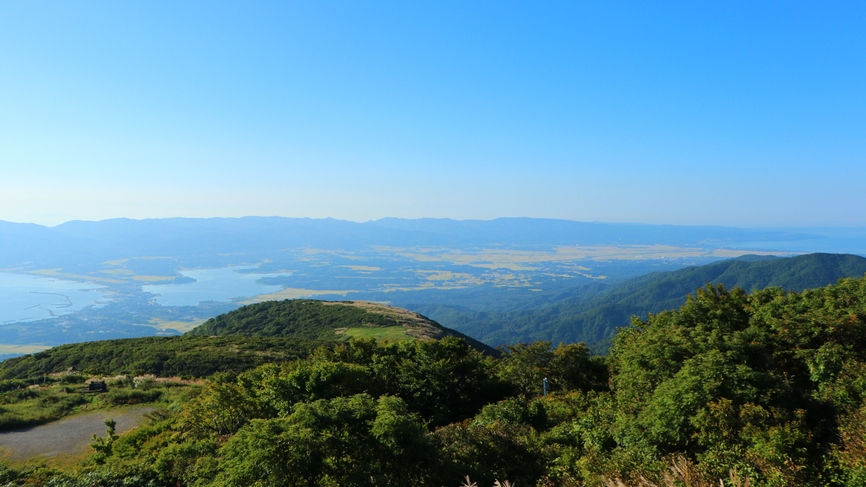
x=658, y=112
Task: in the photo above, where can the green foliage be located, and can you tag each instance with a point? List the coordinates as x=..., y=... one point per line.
x=12, y=384
x=733, y=380
x=771, y=385
x=328, y=321
x=102, y=445
x=32, y=406
x=132, y=396
x=297, y=318
x=186, y=356
x=567, y=368
x=593, y=316
x=221, y=408
x=487, y=453
x=353, y=440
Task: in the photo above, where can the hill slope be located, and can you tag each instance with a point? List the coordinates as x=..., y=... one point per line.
x=593, y=319
x=328, y=320
x=193, y=356
x=273, y=331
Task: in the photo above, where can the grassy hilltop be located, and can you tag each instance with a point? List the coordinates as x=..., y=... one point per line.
x=328, y=320
x=250, y=336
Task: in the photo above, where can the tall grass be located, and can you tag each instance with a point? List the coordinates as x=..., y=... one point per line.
x=683, y=473
x=469, y=483
x=32, y=410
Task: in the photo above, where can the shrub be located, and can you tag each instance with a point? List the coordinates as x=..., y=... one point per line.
x=133, y=396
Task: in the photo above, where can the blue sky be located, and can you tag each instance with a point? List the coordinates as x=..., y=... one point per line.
x=721, y=113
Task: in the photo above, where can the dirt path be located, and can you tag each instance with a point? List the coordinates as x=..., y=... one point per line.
x=67, y=438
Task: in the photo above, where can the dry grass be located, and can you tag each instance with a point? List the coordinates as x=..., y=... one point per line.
x=468, y=483
x=297, y=293
x=415, y=325
x=683, y=473
x=181, y=326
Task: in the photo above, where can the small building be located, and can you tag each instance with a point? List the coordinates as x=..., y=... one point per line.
x=97, y=387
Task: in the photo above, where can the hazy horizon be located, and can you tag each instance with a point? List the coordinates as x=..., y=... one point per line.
x=507, y=217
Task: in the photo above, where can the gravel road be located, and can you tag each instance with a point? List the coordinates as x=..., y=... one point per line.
x=68, y=437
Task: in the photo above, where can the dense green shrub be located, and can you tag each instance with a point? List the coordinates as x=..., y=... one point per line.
x=132, y=396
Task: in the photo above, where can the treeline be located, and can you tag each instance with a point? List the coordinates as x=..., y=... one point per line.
x=273, y=331
x=182, y=356
x=762, y=389
x=301, y=318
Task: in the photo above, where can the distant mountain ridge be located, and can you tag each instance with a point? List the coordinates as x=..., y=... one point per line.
x=76, y=243
x=594, y=317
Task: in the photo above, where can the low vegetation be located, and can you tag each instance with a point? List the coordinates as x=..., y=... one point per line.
x=31, y=403
x=181, y=356
x=328, y=321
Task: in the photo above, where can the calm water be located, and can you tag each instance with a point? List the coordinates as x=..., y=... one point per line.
x=28, y=298
x=223, y=284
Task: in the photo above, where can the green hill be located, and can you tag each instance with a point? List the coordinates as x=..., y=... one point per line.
x=193, y=356
x=328, y=320
x=594, y=318
x=273, y=331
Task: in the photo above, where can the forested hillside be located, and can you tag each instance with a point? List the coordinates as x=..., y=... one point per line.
x=327, y=320
x=761, y=389
x=593, y=318
x=273, y=331
x=183, y=356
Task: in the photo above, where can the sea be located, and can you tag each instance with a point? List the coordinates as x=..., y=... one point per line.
x=26, y=297
x=224, y=284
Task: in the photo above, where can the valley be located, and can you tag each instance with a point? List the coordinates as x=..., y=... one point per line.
x=131, y=284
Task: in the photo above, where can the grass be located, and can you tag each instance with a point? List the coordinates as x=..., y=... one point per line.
x=379, y=333
x=181, y=326
x=34, y=406
x=296, y=293
x=39, y=404
x=683, y=473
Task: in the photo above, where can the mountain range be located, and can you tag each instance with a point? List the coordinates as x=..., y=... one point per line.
x=202, y=241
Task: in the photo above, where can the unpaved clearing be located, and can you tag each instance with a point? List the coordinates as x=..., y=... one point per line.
x=67, y=438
